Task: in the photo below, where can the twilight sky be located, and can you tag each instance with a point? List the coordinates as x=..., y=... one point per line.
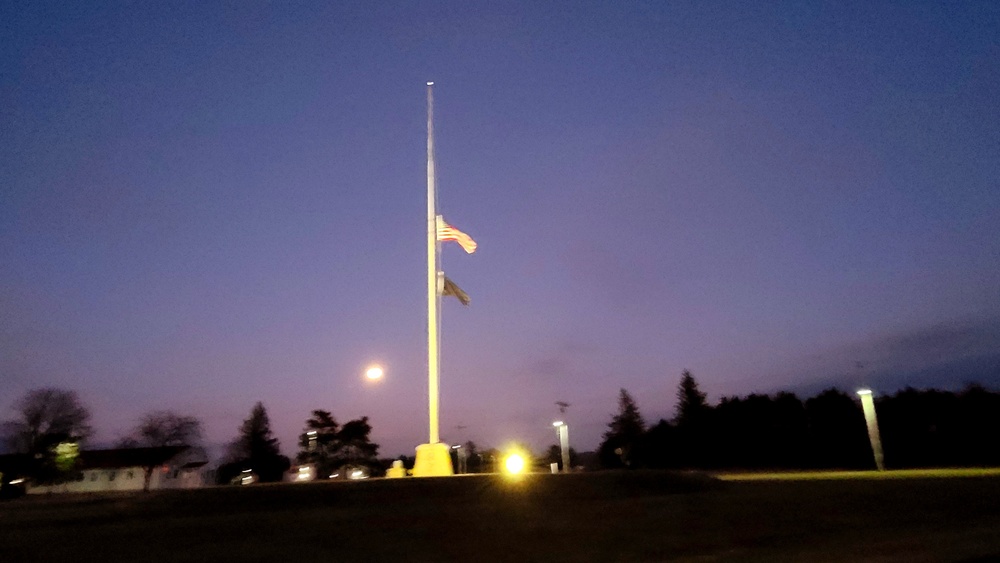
x=207, y=204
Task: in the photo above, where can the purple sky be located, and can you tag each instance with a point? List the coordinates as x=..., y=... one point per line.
x=204, y=205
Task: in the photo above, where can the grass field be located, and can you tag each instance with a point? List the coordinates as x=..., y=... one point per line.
x=602, y=517
x=949, y=473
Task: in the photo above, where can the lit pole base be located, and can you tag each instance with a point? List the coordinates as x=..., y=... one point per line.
x=397, y=470
x=433, y=460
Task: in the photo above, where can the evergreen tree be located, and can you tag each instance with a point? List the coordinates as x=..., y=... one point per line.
x=660, y=446
x=838, y=436
x=694, y=435
x=760, y=431
x=319, y=442
x=256, y=448
x=692, y=408
x=624, y=435
x=977, y=424
x=330, y=446
x=354, y=446
x=790, y=431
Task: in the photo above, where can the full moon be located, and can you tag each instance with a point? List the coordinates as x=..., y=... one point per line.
x=374, y=373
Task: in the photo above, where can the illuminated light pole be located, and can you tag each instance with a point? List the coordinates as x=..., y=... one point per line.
x=433, y=458
x=868, y=405
x=562, y=429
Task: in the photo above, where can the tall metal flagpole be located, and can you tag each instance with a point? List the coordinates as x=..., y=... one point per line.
x=433, y=458
x=432, y=277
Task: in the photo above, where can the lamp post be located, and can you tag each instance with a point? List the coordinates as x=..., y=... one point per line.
x=868, y=405
x=562, y=429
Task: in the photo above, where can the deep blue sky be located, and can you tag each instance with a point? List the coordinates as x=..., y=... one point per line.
x=204, y=205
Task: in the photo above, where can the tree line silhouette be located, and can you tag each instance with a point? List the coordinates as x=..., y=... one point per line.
x=44, y=439
x=919, y=428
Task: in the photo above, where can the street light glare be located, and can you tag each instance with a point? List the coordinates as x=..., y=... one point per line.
x=514, y=464
x=557, y=423
x=374, y=373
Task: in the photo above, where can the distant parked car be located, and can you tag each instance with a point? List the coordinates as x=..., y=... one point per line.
x=246, y=477
x=351, y=473
x=11, y=487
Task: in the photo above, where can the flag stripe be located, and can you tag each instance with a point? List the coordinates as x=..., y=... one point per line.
x=446, y=232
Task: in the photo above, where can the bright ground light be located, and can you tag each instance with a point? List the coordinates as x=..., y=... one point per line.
x=514, y=463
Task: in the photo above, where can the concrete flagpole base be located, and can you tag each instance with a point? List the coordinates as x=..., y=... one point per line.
x=433, y=460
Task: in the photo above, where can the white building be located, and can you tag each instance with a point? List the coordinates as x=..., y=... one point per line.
x=125, y=469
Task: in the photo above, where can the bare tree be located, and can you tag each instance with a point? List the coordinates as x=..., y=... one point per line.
x=167, y=428
x=46, y=418
x=161, y=429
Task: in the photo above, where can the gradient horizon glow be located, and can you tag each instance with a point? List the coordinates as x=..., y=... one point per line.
x=206, y=205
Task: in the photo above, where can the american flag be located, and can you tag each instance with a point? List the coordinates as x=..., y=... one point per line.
x=447, y=232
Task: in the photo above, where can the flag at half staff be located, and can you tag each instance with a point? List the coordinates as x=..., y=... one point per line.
x=451, y=288
x=446, y=232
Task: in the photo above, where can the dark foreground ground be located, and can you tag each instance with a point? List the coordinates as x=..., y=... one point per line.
x=603, y=517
